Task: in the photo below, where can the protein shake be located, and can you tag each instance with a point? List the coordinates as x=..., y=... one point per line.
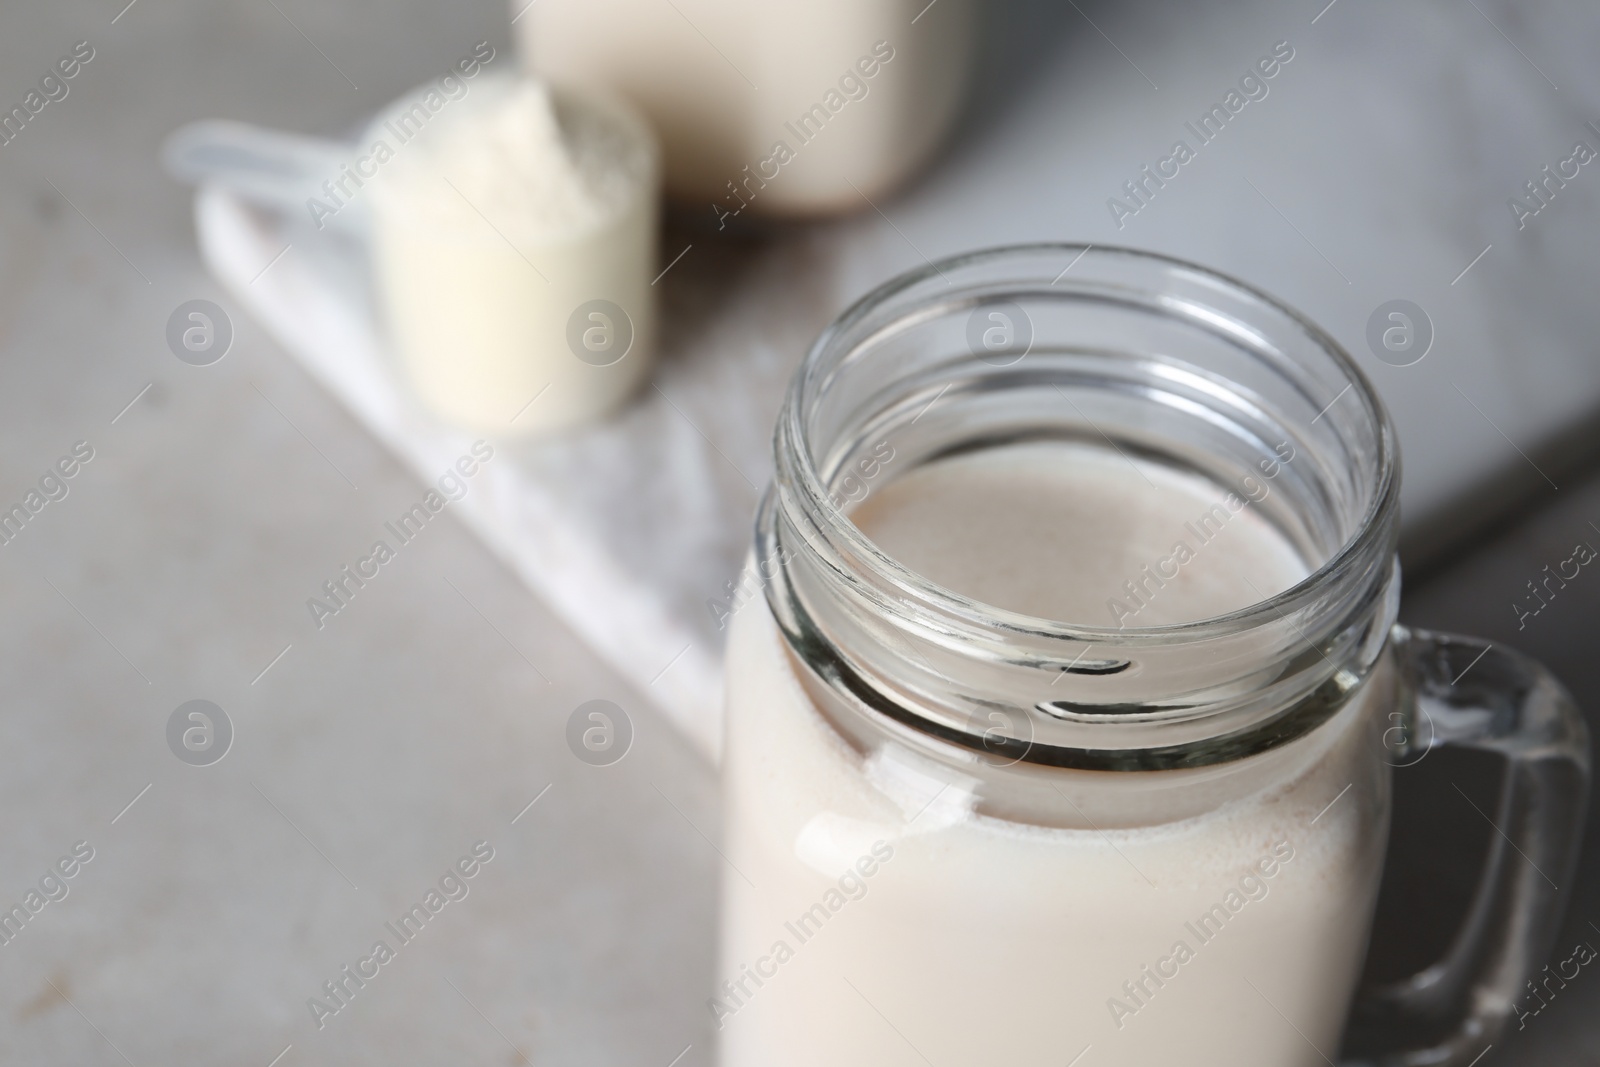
x=873, y=916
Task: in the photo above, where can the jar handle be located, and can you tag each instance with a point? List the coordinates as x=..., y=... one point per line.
x=1463, y=692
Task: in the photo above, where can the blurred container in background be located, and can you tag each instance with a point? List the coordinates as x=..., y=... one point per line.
x=791, y=110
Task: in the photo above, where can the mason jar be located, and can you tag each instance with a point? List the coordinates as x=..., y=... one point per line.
x=961, y=831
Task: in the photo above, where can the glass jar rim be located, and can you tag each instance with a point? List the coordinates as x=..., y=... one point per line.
x=797, y=470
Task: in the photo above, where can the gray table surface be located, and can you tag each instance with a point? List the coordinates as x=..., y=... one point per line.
x=367, y=760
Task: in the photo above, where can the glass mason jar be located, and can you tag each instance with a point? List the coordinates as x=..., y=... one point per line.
x=957, y=834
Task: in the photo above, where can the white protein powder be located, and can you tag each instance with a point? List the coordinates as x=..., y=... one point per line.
x=535, y=165
x=514, y=242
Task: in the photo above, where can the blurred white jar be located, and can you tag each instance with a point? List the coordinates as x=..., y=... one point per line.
x=513, y=245
x=858, y=92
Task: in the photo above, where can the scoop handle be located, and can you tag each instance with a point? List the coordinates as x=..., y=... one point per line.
x=283, y=171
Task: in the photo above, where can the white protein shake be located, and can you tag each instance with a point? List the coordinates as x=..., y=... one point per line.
x=871, y=916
